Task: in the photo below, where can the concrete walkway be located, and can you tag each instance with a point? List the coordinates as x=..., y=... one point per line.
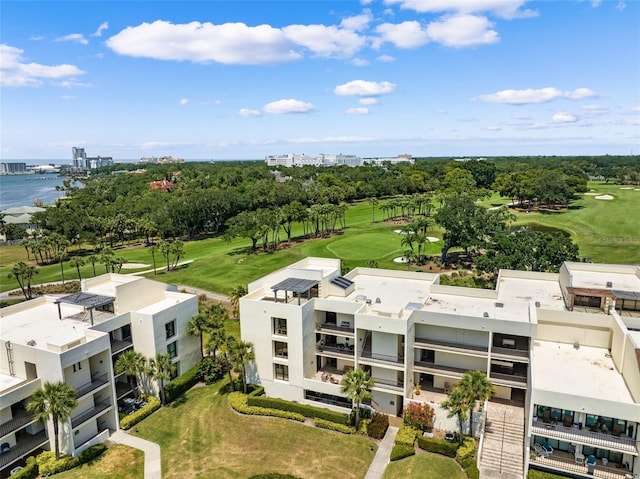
x=152, y=464
x=381, y=459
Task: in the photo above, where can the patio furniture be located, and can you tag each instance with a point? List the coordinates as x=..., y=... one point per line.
x=605, y=461
x=591, y=460
x=568, y=421
x=5, y=447
x=540, y=450
x=617, y=430
x=579, y=458
x=547, y=447
x=546, y=416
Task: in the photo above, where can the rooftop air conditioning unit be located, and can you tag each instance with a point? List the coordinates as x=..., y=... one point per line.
x=31, y=342
x=609, y=284
x=537, y=304
x=485, y=314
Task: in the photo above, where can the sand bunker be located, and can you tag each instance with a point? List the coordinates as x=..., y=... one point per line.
x=134, y=265
x=604, y=197
x=402, y=232
x=432, y=239
x=626, y=188
x=591, y=194
x=400, y=259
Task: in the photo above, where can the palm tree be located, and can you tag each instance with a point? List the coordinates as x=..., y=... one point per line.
x=476, y=387
x=93, y=259
x=60, y=257
x=54, y=401
x=23, y=273
x=197, y=326
x=357, y=384
x=78, y=263
x=133, y=364
x=160, y=369
x=457, y=404
x=241, y=355
x=152, y=250
x=237, y=293
x=374, y=202
x=27, y=244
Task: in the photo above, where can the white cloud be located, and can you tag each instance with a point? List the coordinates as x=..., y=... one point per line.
x=492, y=128
x=596, y=3
x=333, y=139
x=563, y=117
x=368, y=101
x=15, y=72
x=290, y=105
x=521, y=117
x=67, y=97
x=73, y=83
x=358, y=22
x=386, y=59
x=635, y=108
x=621, y=6
x=442, y=112
x=530, y=95
x=359, y=62
x=237, y=43
x=596, y=109
x=501, y=8
x=103, y=26
x=409, y=34
x=364, y=88
x=462, y=31
x=73, y=37
x=357, y=111
x=247, y=113
x=184, y=101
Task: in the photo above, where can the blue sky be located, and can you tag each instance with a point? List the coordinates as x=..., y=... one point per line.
x=245, y=79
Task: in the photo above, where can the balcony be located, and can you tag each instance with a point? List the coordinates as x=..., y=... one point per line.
x=585, y=437
x=334, y=329
x=343, y=352
x=26, y=444
x=370, y=356
x=117, y=346
x=450, y=347
x=509, y=380
x=90, y=413
x=561, y=461
x=20, y=419
x=92, y=386
x=439, y=369
x=519, y=355
x=389, y=384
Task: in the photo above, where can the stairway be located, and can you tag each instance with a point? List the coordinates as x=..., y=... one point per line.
x=503, y=445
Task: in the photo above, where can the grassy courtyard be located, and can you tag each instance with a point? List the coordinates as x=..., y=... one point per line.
x=424, y=466
x=203, y=437
x=118, y=461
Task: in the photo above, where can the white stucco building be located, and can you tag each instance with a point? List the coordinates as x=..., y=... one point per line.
x=566, y=343
x=77, y=338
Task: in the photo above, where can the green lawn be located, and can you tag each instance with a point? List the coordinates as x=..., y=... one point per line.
x=203, y=437
x=424, y=466
x=605, y=231
x=118, y=461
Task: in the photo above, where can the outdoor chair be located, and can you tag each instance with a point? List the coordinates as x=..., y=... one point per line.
x=5, y=447
x=591, y=460
x=546, y=416
x=547, y=448
x=568, y=421
x=541, y=451
x=617, y=430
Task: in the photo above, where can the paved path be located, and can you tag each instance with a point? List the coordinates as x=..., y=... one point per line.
x=381, y=459
x=208, y=294
x=152, y=464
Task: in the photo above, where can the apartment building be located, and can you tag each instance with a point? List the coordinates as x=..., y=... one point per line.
x=542, y=339
x=77, y=338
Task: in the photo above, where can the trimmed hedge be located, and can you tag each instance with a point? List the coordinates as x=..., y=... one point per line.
x=29, y=471
x=47, y=464
x=437, y=445
x=378, y=426
x=333, y=426
x=181, y=384
x=400, y=452
x=153, y=404
x=90, y=453
x=467, y=450
x=304, y=409
x=255, y=390
x=406, y=436
x=238, y=402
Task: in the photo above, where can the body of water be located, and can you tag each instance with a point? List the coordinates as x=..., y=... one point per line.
x=23, y=190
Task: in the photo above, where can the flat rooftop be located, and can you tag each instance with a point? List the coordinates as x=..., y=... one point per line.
x=586, y=371
x=109, y=285
x=599, y=280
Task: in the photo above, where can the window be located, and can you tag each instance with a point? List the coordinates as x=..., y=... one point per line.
x=281, y=372
x=126, y=332
x=280, y=349
x=175, y=371
x=588, y=301
x=172, y=349
x=279, y=326
x=170, y=329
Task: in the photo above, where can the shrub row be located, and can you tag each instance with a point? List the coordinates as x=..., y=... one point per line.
x=466, y=450
x=333, y=426
x=90, y=453
x=378, y=426
x=406, y=436
x=437, y=445
x=47, y=464
x=400, y=451
x=181, y=384
x=153, y=404
x=304, y=409
x=255, y=390
x=238, y=402
x=29, y=471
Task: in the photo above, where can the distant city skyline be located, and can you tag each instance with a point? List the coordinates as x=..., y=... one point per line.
x=222, y=80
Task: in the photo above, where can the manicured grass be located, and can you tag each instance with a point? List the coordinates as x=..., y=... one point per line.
x=203, y=437
x=424, y=466
x=118, y=461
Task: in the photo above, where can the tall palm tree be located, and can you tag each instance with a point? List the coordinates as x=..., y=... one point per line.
x=237, y=293
x=133, y=364
x=476, y=387
x=457, y=404
x=23, y=273
x=54, y=401
x=241, y=355
x=77, y=262
x=152, y=250
x=197, y=326
x=374, y=201
x=357, y=384
x=93, y=259
x=160, y=369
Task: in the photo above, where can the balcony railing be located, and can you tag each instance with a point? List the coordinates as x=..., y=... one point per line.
x=556, y=430
x=117, y=346
x=344, y=352
x=452, y=347
x=86, y=415
x=508, y=380
x=519, y=355
x=559, y=461
x=92, y=386
x=329, y=328
x=25, y=445
x=397, y=384
x=382, y=357
x=430, y=367
x=20, y=419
